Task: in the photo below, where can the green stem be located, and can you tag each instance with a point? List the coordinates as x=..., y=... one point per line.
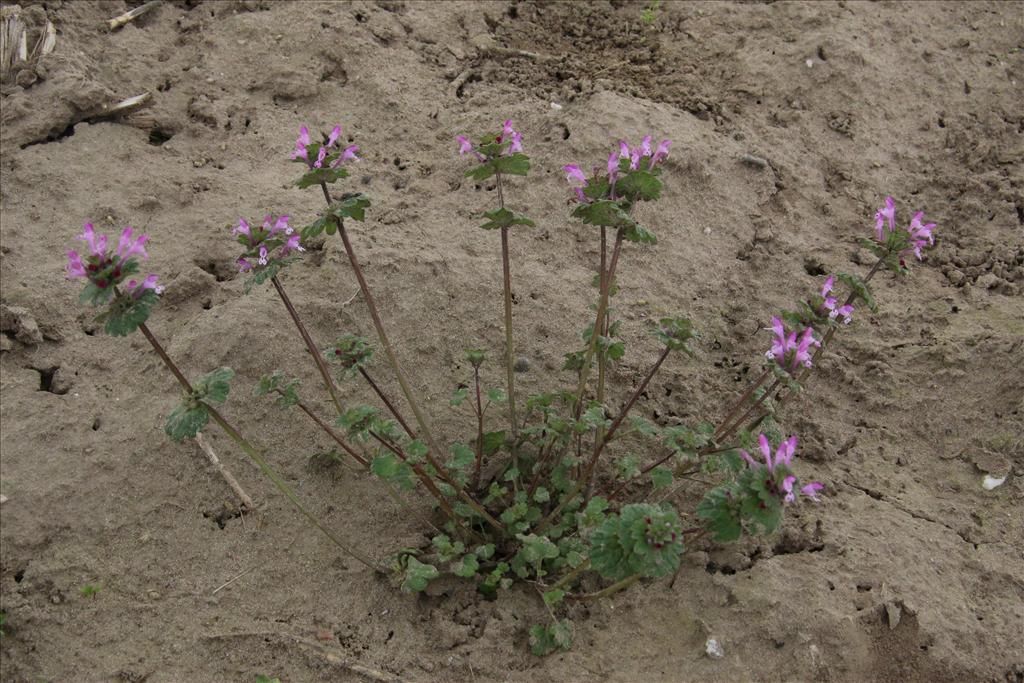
x=742, y=400
x=602, y=308
x=599, y=447
x=379, y=326
x=571, y=576
x=331, y=433
x=286, y=490
x=251, y=452
x=387, y=402
x=318, y=357
x=479, y=430
x=610, y=590
x=732, y=430
x=509, y=350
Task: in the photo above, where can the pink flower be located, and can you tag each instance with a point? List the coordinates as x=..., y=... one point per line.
x=517, y=143
x=275, y=226
x=242, y=229
x=97, y=245
x=803, y=355
x=136, y=289
x=783, y=458
x=573, y=172
x=645, y=146
x=75, y=267
x=264, y=256
x=786, y=343
x=243, y=265
x=333, y=137
x=920, y=234
x=464, y=144
x=300, y=144
x=884, y=215
x=348, y=155
x=320, y=156
x=126, y=248
x=831, y=303
x=292, y=244
x=661, y=152
x=613, y=167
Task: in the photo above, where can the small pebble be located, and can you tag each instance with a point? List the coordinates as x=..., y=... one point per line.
x=756, y=162
x=522, y=364
x=714, y=649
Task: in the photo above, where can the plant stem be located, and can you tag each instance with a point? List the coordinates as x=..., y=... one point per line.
x=318, y=357
x=601, y=357
x=610, y=590
x=742, y=400
x=479, y=430
x=602, y=308
x=428, y=482
x=379, y=325
x=391, y=407
x=509, y=351
x=599, y=447
x=731, y=430
x=331, y=433
x=571, y=576
x=253, y=454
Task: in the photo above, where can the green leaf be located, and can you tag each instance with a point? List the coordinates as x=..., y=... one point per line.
x=485, y=552
x=416, y=451
x=321, y=175
x=512, y=164
x=503, y=218
x=458, y=396
x=418, y=575
x=351, y=205
x=639, y=186
x=546, y=639
x=605, y=212
x=642, y=539
x=720, y=513
x=537, y=548
x=467, y=568
x=462, y=456
x=640, y=235
x=213, y=387
x=661, y=477
x=318, y=226
x=127, y=313
x=186, y=420
x=627, y=466
x=481, y=172
x=860, y=288
x=676, y=333
x=553, y=597
x=541, y=495
x=493, y=441
x=496, y=396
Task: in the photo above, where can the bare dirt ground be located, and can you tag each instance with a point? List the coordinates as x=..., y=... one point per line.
x=908, y=571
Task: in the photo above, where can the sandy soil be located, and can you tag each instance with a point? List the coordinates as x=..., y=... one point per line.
x=908, y=571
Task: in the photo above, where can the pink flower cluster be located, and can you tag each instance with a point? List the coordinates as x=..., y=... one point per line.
x=831, y=304
x=507, y=133
x=783, y=457
x=108, y=269
x=920, y=232
x=642, y=155
x=790, y=350
x=260, y=242
x=303, y=141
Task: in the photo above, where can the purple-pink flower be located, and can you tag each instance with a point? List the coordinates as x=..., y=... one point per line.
x=637, y=154
x=508, y=133
x=919, y=232
x=790, y=350
x=325, y=150
x=105, y=269
x=832, y=304
x=137, y=289
x=261, y=242
x=784, y=458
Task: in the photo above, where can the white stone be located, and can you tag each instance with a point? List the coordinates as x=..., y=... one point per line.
x=990, y=482
x=714, y=649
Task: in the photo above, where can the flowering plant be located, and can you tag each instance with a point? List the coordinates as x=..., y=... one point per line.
x=534, y=501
